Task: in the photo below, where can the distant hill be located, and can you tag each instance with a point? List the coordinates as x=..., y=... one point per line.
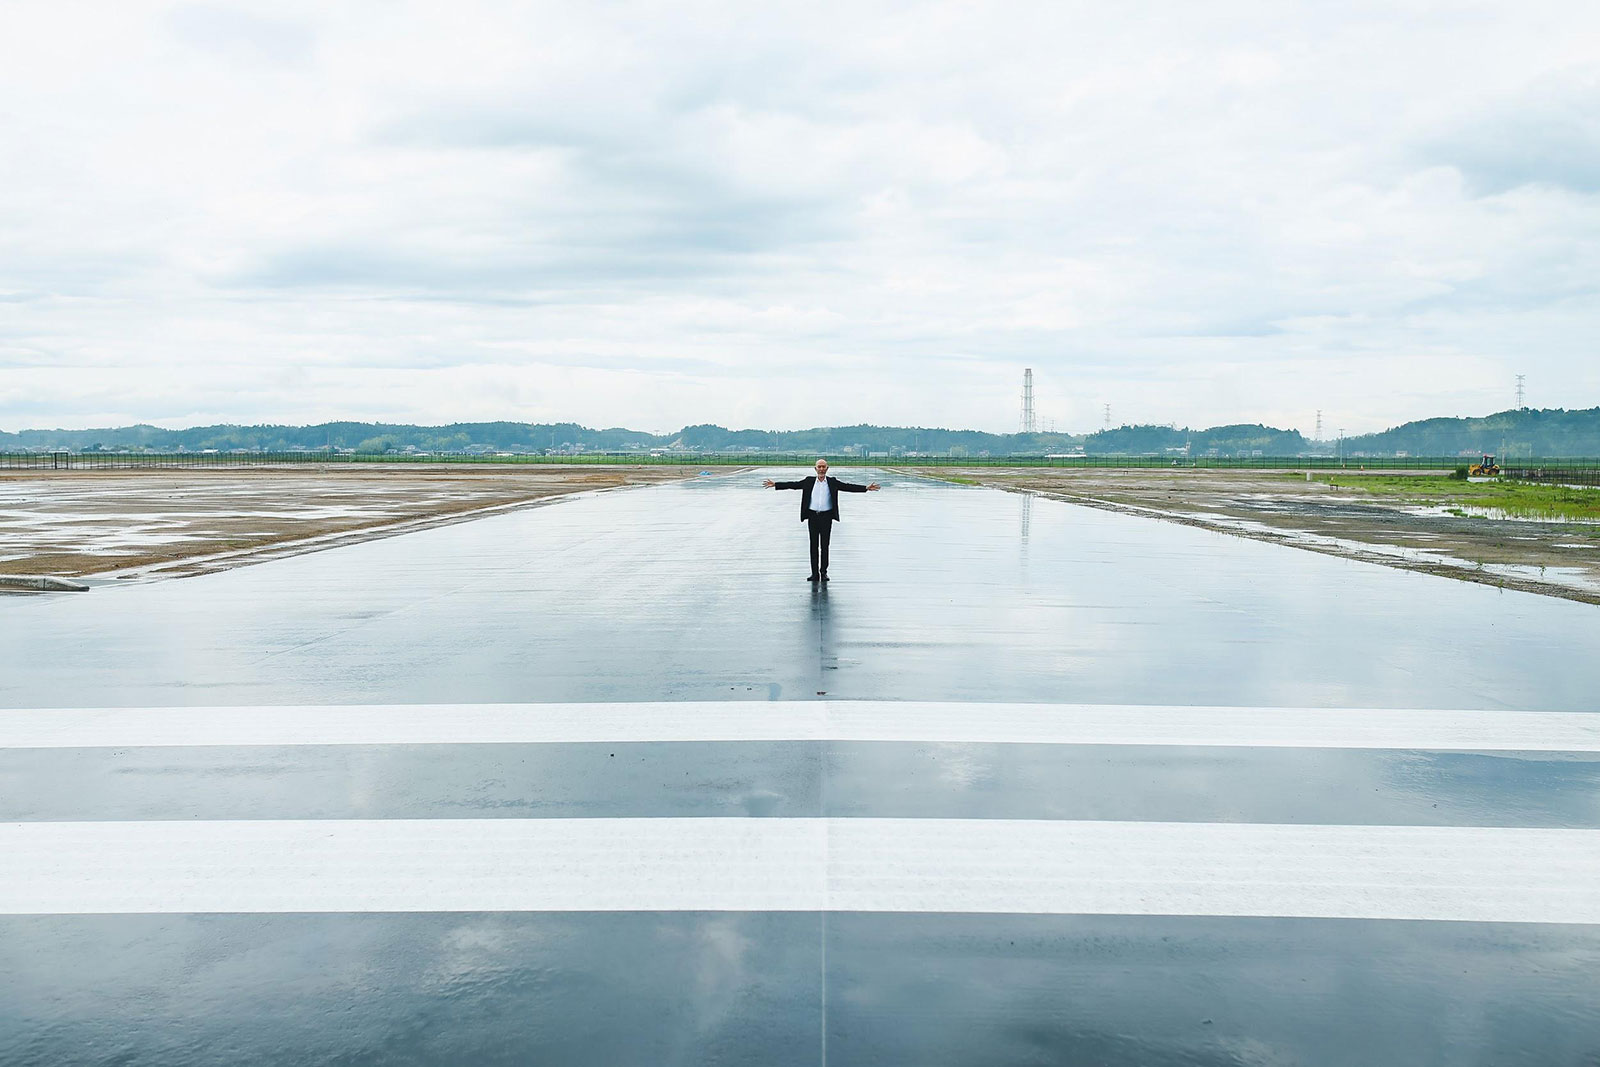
x=1247, y=439
x=1549, y=432
x=377, y=438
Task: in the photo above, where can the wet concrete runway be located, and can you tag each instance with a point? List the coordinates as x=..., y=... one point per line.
x=695, y=593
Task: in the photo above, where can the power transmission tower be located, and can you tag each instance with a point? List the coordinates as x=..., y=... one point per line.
x=1029, y=423
x=1520, y=405
x=1108, y=416
x=1319, y=426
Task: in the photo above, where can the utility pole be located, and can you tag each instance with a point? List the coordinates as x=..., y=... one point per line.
x=1520, y=405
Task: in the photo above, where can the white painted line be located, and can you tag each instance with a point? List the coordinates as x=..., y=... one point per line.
x=1476, y=874
x=1083, y=724
x=412, y=865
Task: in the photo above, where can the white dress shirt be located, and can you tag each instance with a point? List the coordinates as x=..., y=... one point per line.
x=822, y=496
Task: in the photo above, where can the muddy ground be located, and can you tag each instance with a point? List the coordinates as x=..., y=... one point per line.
x=170, y=523
x=1555, y=558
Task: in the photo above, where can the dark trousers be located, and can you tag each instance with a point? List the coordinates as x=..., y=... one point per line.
x=821, y=529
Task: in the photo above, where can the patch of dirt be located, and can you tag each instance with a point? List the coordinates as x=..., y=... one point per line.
x=171, y=523
x=1553, y=558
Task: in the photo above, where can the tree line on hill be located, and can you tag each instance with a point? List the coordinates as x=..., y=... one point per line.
x=1524, y=432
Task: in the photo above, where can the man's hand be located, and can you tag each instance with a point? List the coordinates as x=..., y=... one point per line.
x=769, y=483
x=873, y=486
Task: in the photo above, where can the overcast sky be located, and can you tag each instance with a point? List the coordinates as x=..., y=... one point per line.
x=658, y=214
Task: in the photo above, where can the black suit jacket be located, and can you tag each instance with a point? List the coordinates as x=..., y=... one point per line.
x=805, y=486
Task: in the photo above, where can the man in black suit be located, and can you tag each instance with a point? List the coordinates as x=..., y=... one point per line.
x=819, y=510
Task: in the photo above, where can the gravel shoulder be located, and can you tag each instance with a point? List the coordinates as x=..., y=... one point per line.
x=143, y=524
x=1554, y=556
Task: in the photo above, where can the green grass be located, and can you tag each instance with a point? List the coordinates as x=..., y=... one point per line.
x=1522, y=499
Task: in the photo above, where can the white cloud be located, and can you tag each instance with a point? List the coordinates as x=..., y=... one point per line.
x=651, y=215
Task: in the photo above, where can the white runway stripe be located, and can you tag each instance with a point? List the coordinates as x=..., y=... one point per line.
x=1088, y=724
x=885, y=865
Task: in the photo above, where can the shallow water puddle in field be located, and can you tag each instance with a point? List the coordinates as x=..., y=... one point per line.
x=1577, y=578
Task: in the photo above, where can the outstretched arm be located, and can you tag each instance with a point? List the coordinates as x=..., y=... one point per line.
x=853, y=487
x=770, y=484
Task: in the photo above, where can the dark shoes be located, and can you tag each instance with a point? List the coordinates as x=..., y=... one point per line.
x=824, y=575
x=812, y=578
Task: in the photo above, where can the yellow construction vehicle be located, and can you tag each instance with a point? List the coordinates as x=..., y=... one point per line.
x=1485, y=469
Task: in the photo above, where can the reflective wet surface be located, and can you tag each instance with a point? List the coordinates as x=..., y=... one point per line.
x=678, y=988
x=1105, y=989
x=696, y=592
x=804, y=778
x=688, y=988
